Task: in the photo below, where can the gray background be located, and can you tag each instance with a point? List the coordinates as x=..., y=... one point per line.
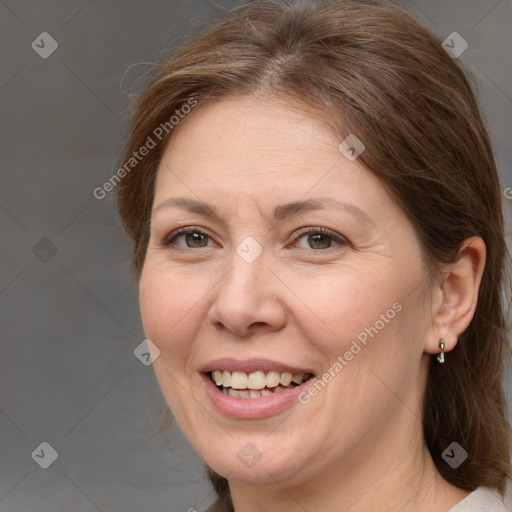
x=69, y=315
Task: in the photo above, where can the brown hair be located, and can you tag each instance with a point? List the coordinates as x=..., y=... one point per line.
x=371, y=69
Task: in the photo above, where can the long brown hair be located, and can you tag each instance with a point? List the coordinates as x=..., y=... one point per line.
x=371, y=69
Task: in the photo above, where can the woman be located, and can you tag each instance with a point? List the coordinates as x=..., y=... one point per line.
x=318, y=242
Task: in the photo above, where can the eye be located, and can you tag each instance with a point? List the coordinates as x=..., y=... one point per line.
x=194, y=238
x=321, y=238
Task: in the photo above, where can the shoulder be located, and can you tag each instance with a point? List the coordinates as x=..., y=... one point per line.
x=482, y=499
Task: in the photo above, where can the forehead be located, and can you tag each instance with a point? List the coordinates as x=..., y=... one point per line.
x=259, y=148
x=260, y=127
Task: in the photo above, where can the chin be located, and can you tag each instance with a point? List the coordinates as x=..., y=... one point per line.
x=254, y=466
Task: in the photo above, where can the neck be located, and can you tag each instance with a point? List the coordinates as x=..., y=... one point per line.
x=394, y=476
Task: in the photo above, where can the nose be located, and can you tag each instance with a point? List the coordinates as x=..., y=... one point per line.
x=248, y=299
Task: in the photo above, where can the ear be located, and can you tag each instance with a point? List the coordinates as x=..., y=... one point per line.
x=455, y=296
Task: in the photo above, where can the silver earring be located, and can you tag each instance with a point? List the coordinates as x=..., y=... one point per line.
x=440, y=357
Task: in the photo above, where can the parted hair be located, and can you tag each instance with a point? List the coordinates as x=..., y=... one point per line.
x=367, y=68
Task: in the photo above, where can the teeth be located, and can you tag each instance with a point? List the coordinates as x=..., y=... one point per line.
x=298, y=379
x=273, y=379
x=238, y=380
x=257, y=380
x=217, y=377
x=251, y=393
x=235, y=393
x=285, y=379
x=226, y=379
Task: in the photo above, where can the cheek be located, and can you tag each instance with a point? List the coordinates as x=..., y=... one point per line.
x=382, y=356
x=347, y=301
x=372, y=321
x=167, y=313
x=164, y=307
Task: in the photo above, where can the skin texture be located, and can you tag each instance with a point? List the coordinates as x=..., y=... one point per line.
x=357, y=445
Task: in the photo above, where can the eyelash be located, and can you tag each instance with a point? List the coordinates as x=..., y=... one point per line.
x=167, y=242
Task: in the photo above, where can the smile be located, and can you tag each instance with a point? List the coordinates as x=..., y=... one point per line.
x=256, y=384
x=238, y=400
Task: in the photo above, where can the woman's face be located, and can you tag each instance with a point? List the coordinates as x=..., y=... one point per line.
x=257, y=286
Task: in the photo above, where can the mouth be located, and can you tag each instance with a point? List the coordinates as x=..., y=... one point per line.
x=256, y=384
x=254, y=388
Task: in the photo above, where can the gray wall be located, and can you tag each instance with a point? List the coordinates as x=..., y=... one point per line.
x=68, y=312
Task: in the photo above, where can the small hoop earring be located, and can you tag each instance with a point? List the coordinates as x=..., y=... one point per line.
x=440, y=357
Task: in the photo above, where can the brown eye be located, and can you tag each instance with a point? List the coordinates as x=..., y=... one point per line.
x=321, y=239
x=194, y=238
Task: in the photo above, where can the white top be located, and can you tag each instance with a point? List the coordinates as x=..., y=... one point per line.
x=482, y=499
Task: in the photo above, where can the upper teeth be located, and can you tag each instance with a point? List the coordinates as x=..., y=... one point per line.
x=255, y=380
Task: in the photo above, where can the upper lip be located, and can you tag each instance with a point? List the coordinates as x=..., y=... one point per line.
x=251, y=365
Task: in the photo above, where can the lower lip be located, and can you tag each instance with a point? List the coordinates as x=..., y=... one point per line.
x=253, y=407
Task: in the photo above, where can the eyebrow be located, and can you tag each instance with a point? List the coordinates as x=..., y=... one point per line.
x=280, y=212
